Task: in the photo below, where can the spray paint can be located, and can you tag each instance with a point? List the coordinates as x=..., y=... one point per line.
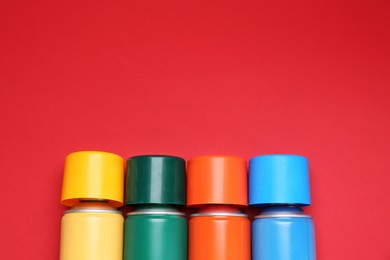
x=279, y=184
x=92, y=229
x=155, y=229
x=218, y=186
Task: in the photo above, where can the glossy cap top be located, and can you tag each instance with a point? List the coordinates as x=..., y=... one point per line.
x=93, y=175
x=156, y=179
x=217, y=180
x=279, y=179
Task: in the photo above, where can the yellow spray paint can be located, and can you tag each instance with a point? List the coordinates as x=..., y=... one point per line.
x=92, y=229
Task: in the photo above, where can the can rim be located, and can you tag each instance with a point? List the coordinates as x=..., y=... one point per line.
x=156, y=212
x=93, y=211
x=282, y=215
x=221, y=214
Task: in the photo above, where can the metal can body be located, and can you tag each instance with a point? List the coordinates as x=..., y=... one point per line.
x=155, y=235
x=219, y=236
x=283, y=235
x=92, y=235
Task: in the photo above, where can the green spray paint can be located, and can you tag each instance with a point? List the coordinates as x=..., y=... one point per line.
x=155, y=229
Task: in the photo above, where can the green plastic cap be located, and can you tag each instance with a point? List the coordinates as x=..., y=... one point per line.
x=156, y=179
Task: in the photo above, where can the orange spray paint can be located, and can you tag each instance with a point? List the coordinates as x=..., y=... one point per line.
x=217, y=185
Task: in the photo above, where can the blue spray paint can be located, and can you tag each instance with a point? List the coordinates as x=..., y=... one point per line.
x=279, y=184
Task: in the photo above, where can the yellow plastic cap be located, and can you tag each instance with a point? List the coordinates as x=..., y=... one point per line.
x=93, y=175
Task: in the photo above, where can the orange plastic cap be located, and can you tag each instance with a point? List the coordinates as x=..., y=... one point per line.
x=217, y=180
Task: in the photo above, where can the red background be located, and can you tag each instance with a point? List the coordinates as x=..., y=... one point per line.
x=193, y=78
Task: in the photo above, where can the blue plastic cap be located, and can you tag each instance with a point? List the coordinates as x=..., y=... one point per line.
x=279, y=179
